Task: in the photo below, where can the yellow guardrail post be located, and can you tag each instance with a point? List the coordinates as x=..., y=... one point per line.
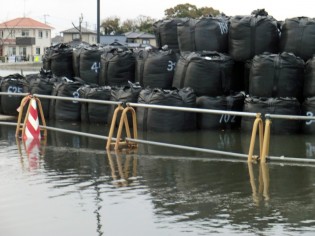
x=123, y=123
x=265, y=147
x=112, y=126
x=258, y=125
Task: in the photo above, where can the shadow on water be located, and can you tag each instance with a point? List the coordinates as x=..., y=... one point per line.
x=190, y=193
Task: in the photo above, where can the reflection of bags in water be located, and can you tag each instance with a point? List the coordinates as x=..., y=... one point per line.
x=94, y=112
x=309, y=144
x=225, y=103
x=308, y=109
x=62, y=139
x=63, y=109
x=280, y=144
x=152, y=119
x=124, y=94
x=281, y=106
x=189, y=138
x=14, y=84
x=7, y=133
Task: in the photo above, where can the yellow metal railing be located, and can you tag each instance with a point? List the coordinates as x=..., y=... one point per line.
x=122, y=123
x=257, y=126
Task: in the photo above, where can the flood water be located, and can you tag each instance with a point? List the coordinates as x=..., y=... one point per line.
x=74, y=187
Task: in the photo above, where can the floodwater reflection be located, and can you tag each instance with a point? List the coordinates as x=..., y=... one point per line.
x=79, y=188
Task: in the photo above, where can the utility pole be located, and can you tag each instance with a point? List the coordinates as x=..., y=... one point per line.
x=45, y=20
x=98, y=25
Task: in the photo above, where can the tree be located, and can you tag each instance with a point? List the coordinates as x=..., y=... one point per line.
x=145, y=23
x=142, y=23
x=190, y=11
x=111, y=25
x=128, y=25
x=79, y=28
x=207, y=11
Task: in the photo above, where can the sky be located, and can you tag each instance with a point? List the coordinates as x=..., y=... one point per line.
x=60, y=14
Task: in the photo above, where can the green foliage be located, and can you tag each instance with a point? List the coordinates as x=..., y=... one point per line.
x=113, y=26
x=190, y=11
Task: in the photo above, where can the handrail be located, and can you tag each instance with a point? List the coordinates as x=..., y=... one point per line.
x=78, y=99
x=122, y=123
x=190, y=109
x=267, y=132
x=291, y=160
x=264, y=138
x=63, y=98
x=187, y=147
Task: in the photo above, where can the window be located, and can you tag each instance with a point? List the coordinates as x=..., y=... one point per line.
x=37, y=51
x=25, y=33
x=12, y=51
x=12, y=34
x=40, y=34
x=22, y=51
x=145, y=41
x=75, y=36
x=1, y=34
x=47, y=34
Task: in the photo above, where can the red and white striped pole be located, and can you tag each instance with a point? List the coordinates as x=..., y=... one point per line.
x=32, y=129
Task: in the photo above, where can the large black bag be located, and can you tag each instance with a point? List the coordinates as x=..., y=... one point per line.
x=43, y=84
x=61, y=61
x=252, y=35
x=14, y=84
x=309, y=78
x=123, y=94
x=233, y=102
x=282, y=106
x=298, y=36
x=90, y=61
x=64, y=109
x=276, y=75
x=151, y=119
x=94, y=112
x=207, y=73
x=308, y=109
x=117, y=67
x=155, y=68
x=204, y=34
x=165, y=32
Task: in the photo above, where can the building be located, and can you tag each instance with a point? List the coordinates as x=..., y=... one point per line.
x=141, y=38
x=110, y=39
x=130, y=39
x=24, y=38
x=73, y=34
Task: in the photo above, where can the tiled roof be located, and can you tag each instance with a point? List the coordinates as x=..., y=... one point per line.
x=139, y=35
x=74, y=30
x=109, y=39
x=24, y=22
